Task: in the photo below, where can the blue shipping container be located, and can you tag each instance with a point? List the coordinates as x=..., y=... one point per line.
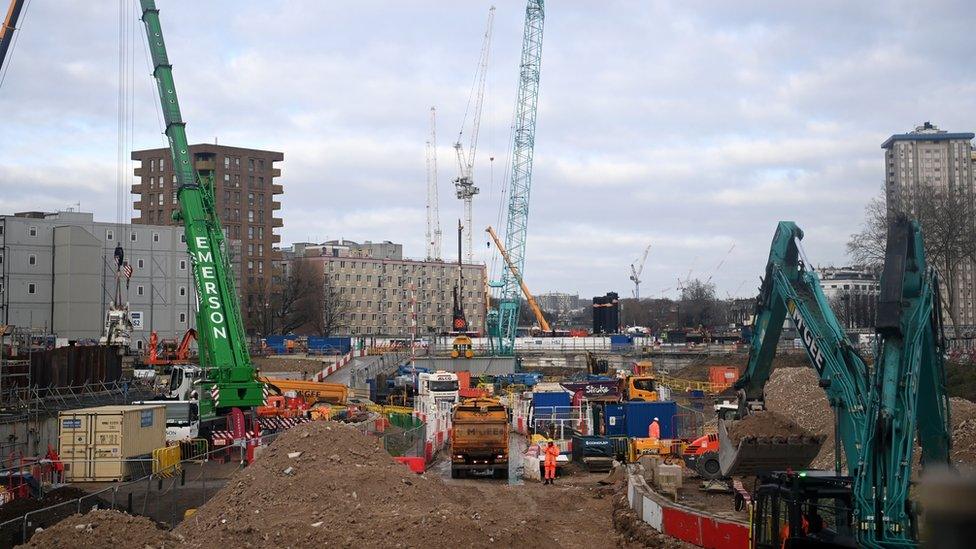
x=620, y=339
x=613, y=420
x=555, y=398
x=638, y=417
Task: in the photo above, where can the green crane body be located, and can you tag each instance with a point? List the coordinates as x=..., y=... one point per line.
x=878, y=410
x=229, y=378
x=503, y=323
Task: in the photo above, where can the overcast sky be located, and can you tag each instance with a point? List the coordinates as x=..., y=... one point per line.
x=690, y=127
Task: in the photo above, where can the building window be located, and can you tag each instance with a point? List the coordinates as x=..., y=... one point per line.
x=32, y=231
x=250, y=164
x=250, y=232
x=226, y=162
x=182, y=291
x=139, y=290
x=139, y=263
x=159, y=199
x=133, y=236
x=227, y=178
x=162, y=164
x=156, y=235
x=32, y=260
x=31, y=288
x=109, y=235
x=182, y=237
x=182, y=264
x=174, y=197
x=152, y=165
x=182, y=318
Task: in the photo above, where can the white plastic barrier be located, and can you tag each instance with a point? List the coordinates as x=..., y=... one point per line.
x=531, y=469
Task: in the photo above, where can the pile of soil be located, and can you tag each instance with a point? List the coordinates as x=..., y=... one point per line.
x=310, y=366
x=21, y=506
x=794, y=393
x=103, y=528
x=345, y=490
x=766, y=425
x=698, y=371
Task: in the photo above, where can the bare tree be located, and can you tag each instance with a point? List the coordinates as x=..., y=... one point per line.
x=333, y=310
x=946, y=217
x=698, y=304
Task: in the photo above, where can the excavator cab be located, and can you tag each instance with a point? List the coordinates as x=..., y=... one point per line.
x=642, y=388
x=803, y=509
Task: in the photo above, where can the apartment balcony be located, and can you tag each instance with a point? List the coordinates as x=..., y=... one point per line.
x=277, y=189
x=275, y=172
x=138, y=188
x=139, y=172
x=277, y=222
x=137, y=205
x=275, y=205
x=208, y=164
x=276, y=238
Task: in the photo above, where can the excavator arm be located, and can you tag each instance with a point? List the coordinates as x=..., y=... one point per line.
x=791, y=290
x=908, y=392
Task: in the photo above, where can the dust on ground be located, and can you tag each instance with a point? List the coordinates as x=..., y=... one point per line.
x=289, y=363
x=102, y=528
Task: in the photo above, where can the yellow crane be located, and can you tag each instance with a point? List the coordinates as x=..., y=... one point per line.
x=518, y=276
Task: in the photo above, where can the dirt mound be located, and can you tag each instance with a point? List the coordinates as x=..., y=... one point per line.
x=344, y=490
x=21, y=506
x=102, y=528
x=766, y=425
x=794, y=393
x=310, y=366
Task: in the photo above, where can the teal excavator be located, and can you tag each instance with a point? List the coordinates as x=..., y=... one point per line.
x=228, y=377
x=877, y=410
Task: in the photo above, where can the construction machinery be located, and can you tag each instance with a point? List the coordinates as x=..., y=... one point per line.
x=8, y=28
x=636, y=269
x=168, y=352
x=503, y=322
x=433, y=210
x=464, y=183
x=639, y=388
x=513, y=269
x=877, y=414
x=227, y=378
x=480, y=438
x=314, y=393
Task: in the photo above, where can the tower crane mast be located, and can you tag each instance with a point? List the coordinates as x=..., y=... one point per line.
x=520, y=183
x=464, y=183
x=636, y=269
x=433, y=210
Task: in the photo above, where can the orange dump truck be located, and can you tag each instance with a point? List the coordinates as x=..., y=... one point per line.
x=480, y=439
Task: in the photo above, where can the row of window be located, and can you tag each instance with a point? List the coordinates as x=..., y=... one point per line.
x=134, y=236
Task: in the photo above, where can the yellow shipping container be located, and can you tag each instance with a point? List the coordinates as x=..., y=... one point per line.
x=96, y=442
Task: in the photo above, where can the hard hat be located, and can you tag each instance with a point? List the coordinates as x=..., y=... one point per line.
x=655, y=419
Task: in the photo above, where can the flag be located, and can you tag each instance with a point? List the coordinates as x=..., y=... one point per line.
x=127, y=271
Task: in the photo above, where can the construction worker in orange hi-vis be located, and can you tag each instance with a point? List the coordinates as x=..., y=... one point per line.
x=654, y=430
x=552, y=452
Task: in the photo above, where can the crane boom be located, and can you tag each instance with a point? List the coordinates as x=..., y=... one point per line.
x=9, y=26
x=229, y=379
x=520, y=183
x=525, y=289
x=636, y=269
x=433, y=210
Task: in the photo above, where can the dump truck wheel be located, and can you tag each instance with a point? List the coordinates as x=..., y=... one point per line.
x=455, y=473
x=708, y=466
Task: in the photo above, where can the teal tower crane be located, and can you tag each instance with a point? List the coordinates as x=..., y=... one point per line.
x=229, y=378
x=503, y=323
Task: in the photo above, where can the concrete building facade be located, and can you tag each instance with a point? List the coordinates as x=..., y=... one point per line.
x=58, y=273
x=379, y=287
x=558, y=302
x=929, y=160
x=245, y=191
x=853, y=294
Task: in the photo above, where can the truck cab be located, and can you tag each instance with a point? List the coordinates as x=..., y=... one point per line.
x=462, y=347
x=182, y=418
x=641, y=388
x=439, y=386
x=183, y=381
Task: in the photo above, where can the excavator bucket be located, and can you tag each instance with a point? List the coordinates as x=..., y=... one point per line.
x=757, y=454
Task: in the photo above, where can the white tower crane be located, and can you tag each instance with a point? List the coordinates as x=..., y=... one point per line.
x=636, y=268
x=433, y=213
x=464, y=184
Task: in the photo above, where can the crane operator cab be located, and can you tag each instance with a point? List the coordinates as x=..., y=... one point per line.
x=462, y=347
x=803, y=509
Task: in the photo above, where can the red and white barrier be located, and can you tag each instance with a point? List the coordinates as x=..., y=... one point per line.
x=343, y=361
x=682, y=522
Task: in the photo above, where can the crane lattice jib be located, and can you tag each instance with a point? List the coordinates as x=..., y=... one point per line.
x=223, y=348
x=790, y=290
x=908, y=392
x=521, y=178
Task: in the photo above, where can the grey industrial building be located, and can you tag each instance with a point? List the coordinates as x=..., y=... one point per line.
x=57, y=275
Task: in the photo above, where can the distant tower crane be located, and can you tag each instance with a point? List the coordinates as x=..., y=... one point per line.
x=636, y=269
x=523, y=146
x=8, y=28
x=433, y=213
x=464, y=184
